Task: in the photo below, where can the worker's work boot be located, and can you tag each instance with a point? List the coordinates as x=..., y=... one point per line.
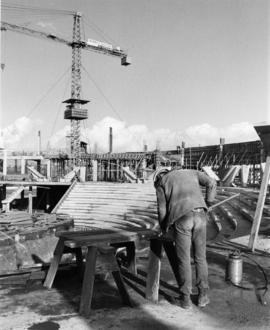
x=203, y=299
x=185, y=301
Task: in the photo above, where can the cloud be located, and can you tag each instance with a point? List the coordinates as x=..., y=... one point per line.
x=46, y=25
x=239, y=132
x=205, y=134
x=134, y=137
x=202, y=134
x=13, y=134
x=131, y=137
x=58, y=140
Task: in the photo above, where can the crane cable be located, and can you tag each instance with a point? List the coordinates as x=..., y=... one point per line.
x=46, y=94
x=33, y=10
x=110, y=104
x=57, y=114
x=99, y=31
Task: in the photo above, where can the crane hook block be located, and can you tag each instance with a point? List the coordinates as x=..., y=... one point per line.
x=125, y=60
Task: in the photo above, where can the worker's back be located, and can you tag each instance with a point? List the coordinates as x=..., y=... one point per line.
x=183, y=192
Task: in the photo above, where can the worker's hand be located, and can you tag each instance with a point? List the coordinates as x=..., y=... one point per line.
x=209, y=204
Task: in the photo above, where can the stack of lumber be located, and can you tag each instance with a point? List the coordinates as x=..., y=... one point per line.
x=29, y=226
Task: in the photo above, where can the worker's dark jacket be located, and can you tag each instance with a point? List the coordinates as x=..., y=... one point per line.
x=179, y=192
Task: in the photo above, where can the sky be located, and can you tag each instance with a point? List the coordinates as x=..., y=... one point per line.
x=199, y=72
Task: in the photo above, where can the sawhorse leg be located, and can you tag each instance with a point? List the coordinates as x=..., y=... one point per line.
x=88, y=281
x=55, y=263
x=121, y=287
x=89, y=278
x=110, y=262
x=153, y=273
x=131, y=254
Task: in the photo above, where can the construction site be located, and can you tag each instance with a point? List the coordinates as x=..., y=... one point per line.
x=80, y=241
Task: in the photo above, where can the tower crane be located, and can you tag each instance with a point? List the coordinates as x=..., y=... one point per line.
x=74, y=111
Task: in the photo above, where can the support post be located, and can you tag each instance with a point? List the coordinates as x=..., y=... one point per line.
x=244, y=174
x=4, y=162
x=153, y=274
x=48, y=169
x=260, y=204
x=117, y=170
x=55, y=263
x=88, y=281
x=3, y=193
x=94, y=170
x=30, y=200
x=22, y=165
x=82, y=173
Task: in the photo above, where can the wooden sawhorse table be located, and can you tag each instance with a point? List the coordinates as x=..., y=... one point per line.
x=94, y=240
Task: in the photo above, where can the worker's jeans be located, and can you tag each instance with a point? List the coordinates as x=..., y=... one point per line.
x=190, y=230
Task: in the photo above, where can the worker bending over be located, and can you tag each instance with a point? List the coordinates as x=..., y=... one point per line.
x=182, y=208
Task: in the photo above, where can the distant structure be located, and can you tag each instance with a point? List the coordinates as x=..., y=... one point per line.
x=111, y=140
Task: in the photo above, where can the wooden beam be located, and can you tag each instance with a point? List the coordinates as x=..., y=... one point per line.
x=54, y=264
x=88, y=281
x=30, y=200
x=153, y=273
x=260, y=205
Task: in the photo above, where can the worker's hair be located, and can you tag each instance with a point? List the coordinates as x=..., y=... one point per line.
x=159, y=174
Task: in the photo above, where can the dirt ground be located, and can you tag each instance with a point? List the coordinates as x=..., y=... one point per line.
x=34, y=307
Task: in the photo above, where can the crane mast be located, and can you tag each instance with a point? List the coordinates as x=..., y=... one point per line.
x=74, y=111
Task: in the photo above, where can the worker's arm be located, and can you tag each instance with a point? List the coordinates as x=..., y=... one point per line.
x=161, y=207
x=210, y=185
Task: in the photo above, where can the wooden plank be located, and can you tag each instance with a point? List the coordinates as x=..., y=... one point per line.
x=103, y=221
x=76, y=233
x=30, y=200
x=132, y=204
x=92, y=237
x=86, y=241
x=88, y=281
x=260, y=205
x=13, y=196
x=107, y=211
x=36, y=174
x=153, y=272
x=54, y=264
x=105, y=217
x=35, y=184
